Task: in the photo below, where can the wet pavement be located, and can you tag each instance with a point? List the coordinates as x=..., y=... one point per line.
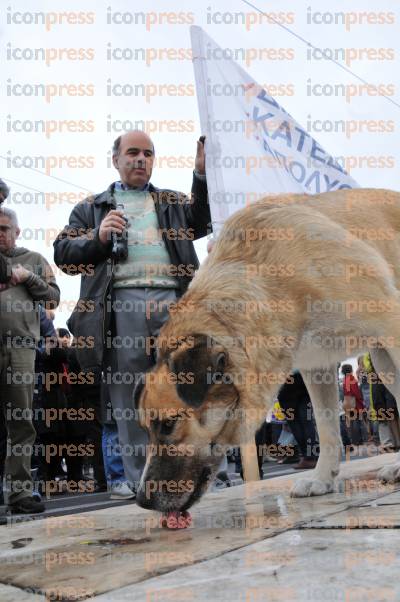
x=248, y=543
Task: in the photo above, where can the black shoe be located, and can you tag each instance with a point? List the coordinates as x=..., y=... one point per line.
x=222, y=476
x=27, y=505
x=222, y=480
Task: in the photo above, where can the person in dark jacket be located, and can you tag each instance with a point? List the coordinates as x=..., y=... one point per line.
x=5, y=265
x=83, y=396
x=295, y=401
x=352, y=390
x=135, y=261
x=4, y=191
x=47, y=338
x=63, y=418
x=50, y=405
x=5, y=277
x=385, y=409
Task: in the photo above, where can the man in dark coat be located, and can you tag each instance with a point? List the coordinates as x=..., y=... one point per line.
x=295, y=401
x=5, y=265
x=135, y=261
x=4, y=191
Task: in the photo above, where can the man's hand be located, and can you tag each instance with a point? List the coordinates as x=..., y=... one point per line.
x=113, y=222
x=200, y=161
x=19, y=275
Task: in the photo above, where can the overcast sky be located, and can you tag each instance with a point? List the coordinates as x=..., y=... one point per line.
x=112, y=55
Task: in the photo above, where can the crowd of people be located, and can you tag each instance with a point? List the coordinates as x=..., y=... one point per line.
x=67, y=421
x=369, y=411
x=368, y=417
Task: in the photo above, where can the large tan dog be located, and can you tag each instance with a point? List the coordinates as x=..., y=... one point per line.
x=293, y=282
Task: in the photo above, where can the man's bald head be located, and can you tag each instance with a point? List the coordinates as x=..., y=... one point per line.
x=133, y=157
x=117, y=142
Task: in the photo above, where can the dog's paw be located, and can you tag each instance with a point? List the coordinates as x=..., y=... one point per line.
x=311, y=487
x=389, y=474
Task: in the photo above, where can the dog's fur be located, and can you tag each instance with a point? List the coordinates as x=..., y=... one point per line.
x=293, y=282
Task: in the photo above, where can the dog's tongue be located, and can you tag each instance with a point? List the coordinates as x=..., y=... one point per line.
x=176, y=520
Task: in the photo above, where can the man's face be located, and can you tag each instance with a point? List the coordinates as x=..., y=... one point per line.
x=8, y=234
x=135, y=159
x=2, y=197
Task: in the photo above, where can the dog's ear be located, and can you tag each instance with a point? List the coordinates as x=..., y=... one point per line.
x=197, y=368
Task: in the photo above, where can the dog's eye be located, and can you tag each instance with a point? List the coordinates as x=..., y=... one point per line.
x=167, y=426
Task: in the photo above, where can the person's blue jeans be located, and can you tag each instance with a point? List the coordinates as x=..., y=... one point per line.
x=113, y=465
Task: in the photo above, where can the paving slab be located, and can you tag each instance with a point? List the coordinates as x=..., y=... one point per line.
x=84, y=555
x=382, y=513
x=298, y=566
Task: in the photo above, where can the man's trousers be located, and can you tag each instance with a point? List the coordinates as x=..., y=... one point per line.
x=16, y=394
x=138, y=314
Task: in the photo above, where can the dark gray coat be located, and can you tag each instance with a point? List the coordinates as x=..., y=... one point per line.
x=78, y=250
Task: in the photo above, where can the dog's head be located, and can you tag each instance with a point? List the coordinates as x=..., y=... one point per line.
x=191, y=409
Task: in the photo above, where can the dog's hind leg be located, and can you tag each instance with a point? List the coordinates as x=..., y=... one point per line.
x=323, y=390
x=387, y=362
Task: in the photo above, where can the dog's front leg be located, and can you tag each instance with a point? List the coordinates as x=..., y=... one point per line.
x=323, y=390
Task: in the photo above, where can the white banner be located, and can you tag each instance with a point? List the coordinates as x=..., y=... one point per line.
x=253, y=146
